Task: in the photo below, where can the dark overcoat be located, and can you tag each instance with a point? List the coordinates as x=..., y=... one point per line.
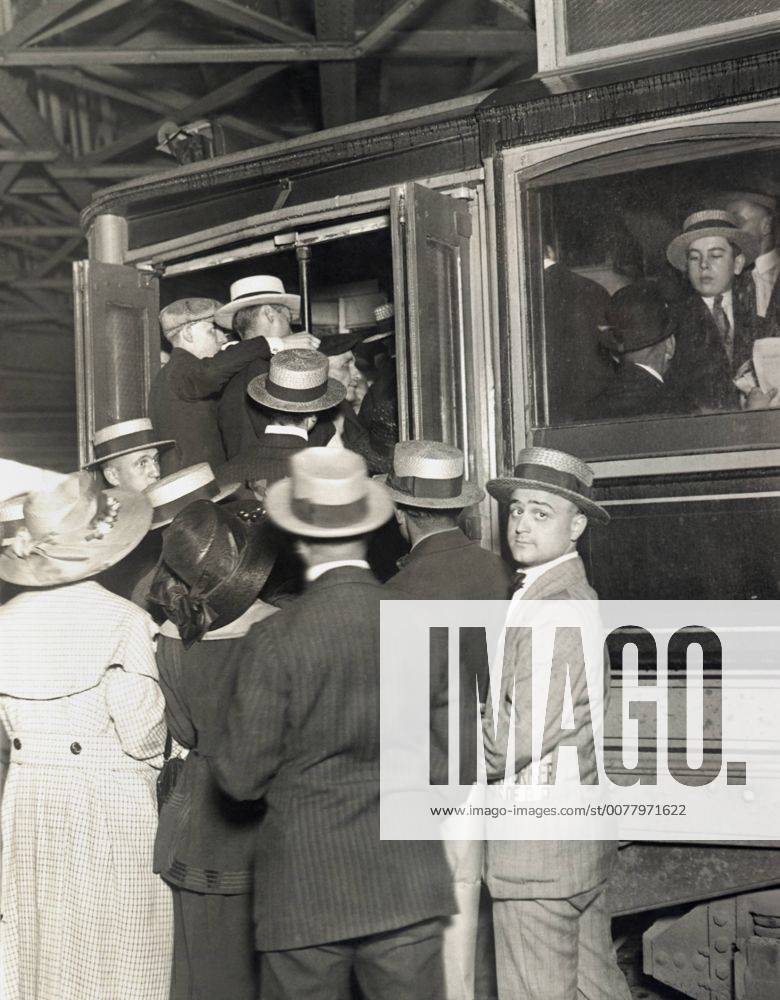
x=302, y=731
x=183, y=402
x=633, y=392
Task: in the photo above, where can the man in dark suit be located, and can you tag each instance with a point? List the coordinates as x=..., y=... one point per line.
x=184, y=394
x=713, y=330
x=552, y=931
x=637, y=332
x=259, y=307
x=426, y=482
x=578, y=367
x=756, y=212
x=302, y=732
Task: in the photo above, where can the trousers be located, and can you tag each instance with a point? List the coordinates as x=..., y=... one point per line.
x=556, y=949
x=403, y=964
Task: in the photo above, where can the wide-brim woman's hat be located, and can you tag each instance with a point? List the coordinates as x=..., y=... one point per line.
x=122, y=439
x=73, y=532
x=328, y=495
x=11, y=516
x=430, y=474
x=710, y=222
x=552, y=471
x=213, y=566
x=172, y=494
x=297, y=381
x=256, y=290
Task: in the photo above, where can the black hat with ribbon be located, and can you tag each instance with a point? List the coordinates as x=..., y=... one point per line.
x=213, y=566
x=430, y=474
x=172, y=494
x=297, y=381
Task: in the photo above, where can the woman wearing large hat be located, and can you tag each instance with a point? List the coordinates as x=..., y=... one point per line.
x=83, y=914
x=214, y=563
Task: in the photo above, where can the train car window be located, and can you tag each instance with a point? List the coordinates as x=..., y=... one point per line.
x=654, y=299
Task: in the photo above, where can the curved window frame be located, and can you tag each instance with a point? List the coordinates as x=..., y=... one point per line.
x=530, y=169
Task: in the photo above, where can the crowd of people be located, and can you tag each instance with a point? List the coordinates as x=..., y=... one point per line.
x=189, y=686
x=650, y=351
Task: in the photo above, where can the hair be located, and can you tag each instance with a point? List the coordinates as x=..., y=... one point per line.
x=286, y=418
x=426, y=517
x=244, y=318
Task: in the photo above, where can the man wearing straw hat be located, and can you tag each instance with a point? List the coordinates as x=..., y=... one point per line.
x=259, y=307
x=427, y=483
x=552, y=931
x=714, y=332
x=127, y=453
x=302, y=732
x=184, y=394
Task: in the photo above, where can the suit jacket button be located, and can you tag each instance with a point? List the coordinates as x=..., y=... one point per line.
x=75, y=748
x=17, y=743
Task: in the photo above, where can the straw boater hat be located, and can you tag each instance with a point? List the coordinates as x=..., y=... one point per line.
x=184, y=311
x=73, y=532
x=555, y=472
x=175, y=492
x=122, y=439
x=298, y=382
x=212, y=568
x=710, y=222
x=430, y=474
x=256, y=290
x=328, y=495
x=762, y=198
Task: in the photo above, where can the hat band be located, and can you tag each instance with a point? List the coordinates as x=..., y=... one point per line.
x=322, y=515
x=124, y=443
x=172, y=508
x=711, y=224
x=431, y=489
x=290, y=395
x=259, y=291
x=544, y=474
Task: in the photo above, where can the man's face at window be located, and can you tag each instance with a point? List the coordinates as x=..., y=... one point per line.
x=713, y=264
x=753, y=219
x=204, y=338
x=135, y=471
x=542, y=526
x=342, y=367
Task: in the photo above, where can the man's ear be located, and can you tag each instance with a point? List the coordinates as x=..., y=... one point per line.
x=739, y=263
x=578, y=524
x=110, y=474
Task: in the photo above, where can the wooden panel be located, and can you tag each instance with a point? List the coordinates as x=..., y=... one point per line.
x=117, y=345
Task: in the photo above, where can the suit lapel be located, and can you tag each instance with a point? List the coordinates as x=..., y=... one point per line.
x=556, y=579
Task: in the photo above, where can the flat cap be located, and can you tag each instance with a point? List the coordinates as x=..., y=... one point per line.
x=184, y=311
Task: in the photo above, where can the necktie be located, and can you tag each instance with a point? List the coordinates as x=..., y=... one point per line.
x=518, y=582
x=723, y=325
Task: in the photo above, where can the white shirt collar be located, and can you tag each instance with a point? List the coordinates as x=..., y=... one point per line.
x=534, y=572
x=300, y=432
x=233, y=630
x=728, y=308
x=652, y=371
x=314, y=572
x=767, y=261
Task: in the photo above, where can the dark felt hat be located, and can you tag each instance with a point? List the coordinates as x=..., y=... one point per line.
x=637, y=317
x=213, y=566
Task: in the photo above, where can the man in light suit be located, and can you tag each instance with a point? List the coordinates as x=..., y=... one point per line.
x=302, y=732
x=552, y=931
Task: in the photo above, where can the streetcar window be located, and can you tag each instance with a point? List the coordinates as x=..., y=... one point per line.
x=625, y=328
